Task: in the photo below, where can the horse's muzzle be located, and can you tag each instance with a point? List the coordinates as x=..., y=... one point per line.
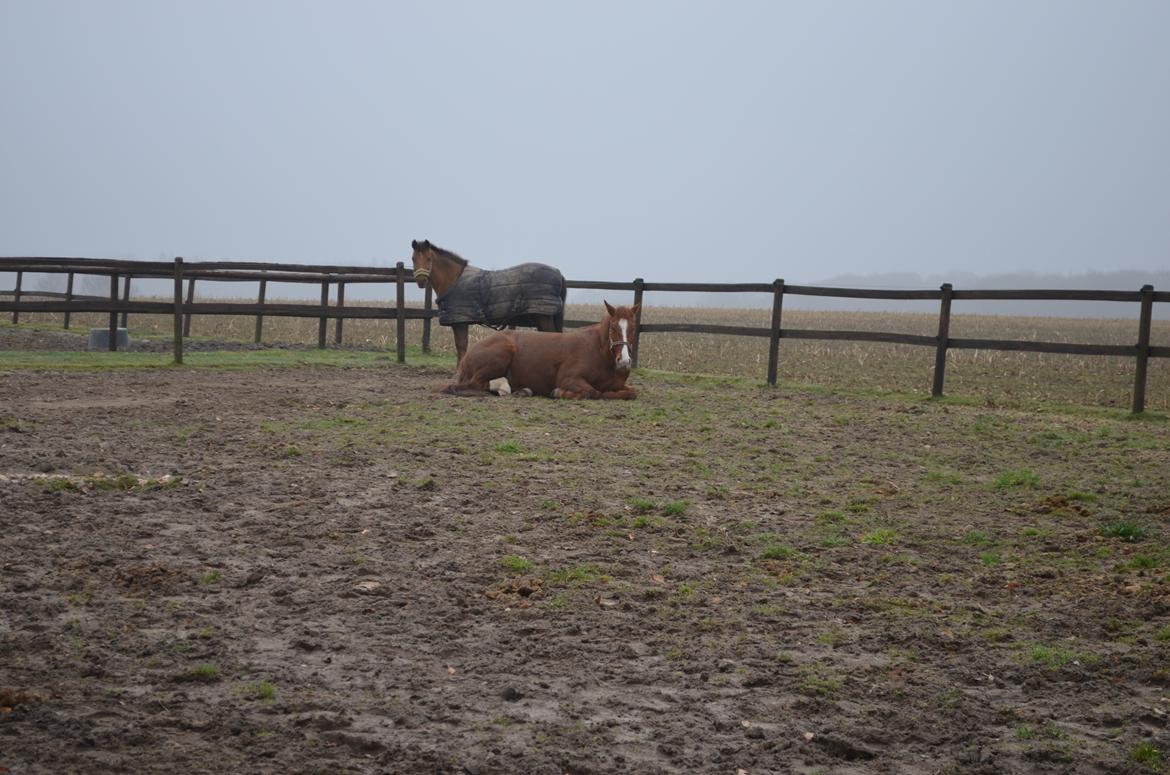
x=421, y=276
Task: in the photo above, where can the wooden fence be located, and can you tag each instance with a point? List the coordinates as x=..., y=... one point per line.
x=184, y=308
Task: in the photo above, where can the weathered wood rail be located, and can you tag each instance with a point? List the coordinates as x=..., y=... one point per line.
x=183, y=309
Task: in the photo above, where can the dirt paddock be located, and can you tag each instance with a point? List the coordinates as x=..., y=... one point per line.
x=333, y=570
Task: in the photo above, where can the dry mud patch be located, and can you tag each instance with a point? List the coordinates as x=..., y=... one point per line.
x=320, y=570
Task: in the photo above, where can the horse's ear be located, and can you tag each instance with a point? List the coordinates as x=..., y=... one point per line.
x=414, y=244
x=609, y=309
x=635, y=310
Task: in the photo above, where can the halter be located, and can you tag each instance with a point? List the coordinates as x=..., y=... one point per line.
x=422, y=273
x=617, y=342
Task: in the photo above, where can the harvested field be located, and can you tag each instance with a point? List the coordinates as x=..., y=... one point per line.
x=334, y=570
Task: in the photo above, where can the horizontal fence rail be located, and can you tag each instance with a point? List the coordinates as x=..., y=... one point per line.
x=183, y=309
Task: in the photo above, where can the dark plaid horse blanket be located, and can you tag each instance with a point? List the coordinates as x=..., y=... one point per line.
x=503, y=296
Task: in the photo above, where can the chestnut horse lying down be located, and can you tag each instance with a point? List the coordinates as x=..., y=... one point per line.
x=591, y=362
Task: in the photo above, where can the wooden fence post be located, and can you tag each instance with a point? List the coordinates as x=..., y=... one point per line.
x=1143, y=350
x=340, y=320
x=113, y=315
x=260, y=318
x=16, y=297
x=428, y=306
x=323, y=322
x=774, y=340
x=944, y=333
x=178, y=343
x=126, y=297
x=400, y=302
x=190, y=300
x=68, y=299
x=639, y=285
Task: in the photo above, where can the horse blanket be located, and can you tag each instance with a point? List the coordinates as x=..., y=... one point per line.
x=503, y=296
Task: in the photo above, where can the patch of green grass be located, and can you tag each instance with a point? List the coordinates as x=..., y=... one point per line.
x=203, y=673
x=674, y=508
x=685, y=591
x=976, y=538
x=718, y=491
x=211, y=577
x=645, y=521
x=291, y=450
x=778, y=552
x=831, y=638
x=642, y=505
x=821, y=685
x=507, y=447
x=13, y=425
x=1052, y=656
x=1148, y=755
x=943, y=476
x=833, y=517
x=1049, y=731
x=516, y=564
x=263, y=691
x=859, y=506
x=1140, y=562
x=882, y=536
x=59, y=484
x=121, y=482
x=1084, y=497
x=1022, y=477
x=1163, y=634
x=990, y=558
x=769, y=609
x=1125, y=530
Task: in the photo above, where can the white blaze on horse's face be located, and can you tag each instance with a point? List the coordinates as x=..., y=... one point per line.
x=619, y=343
x=623, y=361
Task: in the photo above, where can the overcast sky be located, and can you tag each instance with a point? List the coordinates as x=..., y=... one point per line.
x=672, y=140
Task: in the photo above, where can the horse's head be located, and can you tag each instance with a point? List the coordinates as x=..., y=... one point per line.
x=621, y=325
x=432, y=263
x=422, y=258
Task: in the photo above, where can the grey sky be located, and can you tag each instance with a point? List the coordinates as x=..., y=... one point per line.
x=734, y=141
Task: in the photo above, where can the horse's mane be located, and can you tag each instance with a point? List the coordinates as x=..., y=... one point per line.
x=448, y=254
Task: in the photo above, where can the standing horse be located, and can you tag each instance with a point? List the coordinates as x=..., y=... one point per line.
x=524, y=295
x=591, y=362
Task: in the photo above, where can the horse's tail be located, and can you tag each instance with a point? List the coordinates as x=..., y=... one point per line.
x=559, y=318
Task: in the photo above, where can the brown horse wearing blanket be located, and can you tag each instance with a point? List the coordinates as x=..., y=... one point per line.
x=591, y=362
x=523, y=295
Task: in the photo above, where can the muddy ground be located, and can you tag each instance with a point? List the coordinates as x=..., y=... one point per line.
x=332, y=570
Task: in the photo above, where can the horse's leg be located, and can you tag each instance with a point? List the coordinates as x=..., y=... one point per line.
x=490, y=360
x=625, y=394
x=460, y=332
x=574, y=387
